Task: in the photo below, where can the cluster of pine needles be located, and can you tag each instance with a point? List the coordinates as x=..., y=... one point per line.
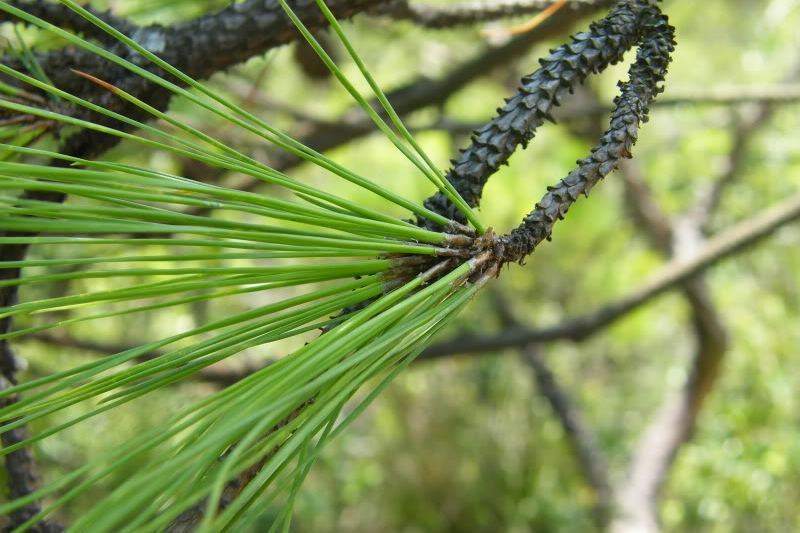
x=336, y=254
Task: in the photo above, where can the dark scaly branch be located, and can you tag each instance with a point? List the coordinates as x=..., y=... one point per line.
x=654, y=454
x=447, y=16
x=632, y=106
x=579, y=434
x=199, y=47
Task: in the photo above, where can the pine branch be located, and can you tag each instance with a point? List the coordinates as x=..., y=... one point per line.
x=63, y=17
x=199, y=47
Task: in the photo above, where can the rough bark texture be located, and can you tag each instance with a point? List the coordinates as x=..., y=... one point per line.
x=62, y=16
x=516, y=122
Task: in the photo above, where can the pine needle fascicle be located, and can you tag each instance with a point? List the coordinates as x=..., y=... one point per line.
x=377, y=285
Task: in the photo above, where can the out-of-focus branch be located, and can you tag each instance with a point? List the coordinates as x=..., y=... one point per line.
x=661, y=441
x=676, y=272
x=782, y=93
x=779, y=95
x=446, y=16
x=671, y=427
x=743, y=132
x=590, y=456
x=60, y=15
x=745, y=127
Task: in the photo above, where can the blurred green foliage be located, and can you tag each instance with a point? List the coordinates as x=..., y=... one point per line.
x=466, y=443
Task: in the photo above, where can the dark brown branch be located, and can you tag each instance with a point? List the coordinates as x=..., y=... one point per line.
x=424, y=92
x=725, y=244
x=591, y=458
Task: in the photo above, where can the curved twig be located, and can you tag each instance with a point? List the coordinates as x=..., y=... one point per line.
x=516, y=123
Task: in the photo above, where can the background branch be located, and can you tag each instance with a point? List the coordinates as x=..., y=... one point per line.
x=638, y=495
x=674, y=273
x=60, y=15
x=480, y=11
x=424, y=92
x=592, y=460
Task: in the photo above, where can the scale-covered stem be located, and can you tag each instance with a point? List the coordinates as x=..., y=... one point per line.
x=631, y=108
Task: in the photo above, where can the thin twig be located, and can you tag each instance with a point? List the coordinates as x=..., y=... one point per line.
x=580, y=435
x=481, y=11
